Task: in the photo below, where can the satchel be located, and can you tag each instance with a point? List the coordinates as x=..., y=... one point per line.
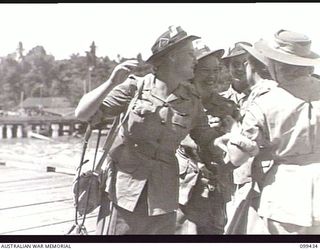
x=88, y=186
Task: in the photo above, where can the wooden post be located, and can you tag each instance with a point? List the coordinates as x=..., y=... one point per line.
x=19, y=131
x=1, y=131
x=38, y=128
x=29, y=130
x=9, y=131
x=55, y=130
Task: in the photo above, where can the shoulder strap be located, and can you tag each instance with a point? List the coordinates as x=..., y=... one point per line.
x=117, y=123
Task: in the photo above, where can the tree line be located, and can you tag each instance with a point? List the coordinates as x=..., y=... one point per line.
x=38, y=74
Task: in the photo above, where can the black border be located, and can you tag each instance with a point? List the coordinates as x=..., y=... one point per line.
x=154, y=238
x=160, y=239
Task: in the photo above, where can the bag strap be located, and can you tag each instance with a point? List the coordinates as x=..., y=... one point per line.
x=117, y=123
x=80, y=229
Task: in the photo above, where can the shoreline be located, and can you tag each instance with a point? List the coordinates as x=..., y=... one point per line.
x=60, y=155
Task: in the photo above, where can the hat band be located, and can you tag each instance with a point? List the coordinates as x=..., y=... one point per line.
x=292, y=48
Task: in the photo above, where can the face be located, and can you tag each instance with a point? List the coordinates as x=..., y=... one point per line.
x=237, y=70
x=287, y=73
x=183, y=62
x=206, y=75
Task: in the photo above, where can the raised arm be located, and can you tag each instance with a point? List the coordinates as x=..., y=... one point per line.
x=90, y=102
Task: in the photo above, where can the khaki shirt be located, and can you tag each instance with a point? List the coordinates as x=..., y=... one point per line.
x=287, y=129
x=238, y=98
x=241, y=174
x=144, y=150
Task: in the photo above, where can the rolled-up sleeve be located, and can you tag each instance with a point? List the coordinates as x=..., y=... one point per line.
x=119, y=98
x=253, y=125
x=245, y=142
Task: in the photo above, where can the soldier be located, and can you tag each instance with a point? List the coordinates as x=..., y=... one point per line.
x=202, y=199
x=281, y=126
x=237, y=92
x=235, y=63
x=143, y=183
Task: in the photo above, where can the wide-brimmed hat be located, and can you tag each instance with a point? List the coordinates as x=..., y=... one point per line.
x=168, y=41
x=202, y=50
x=237, y=50
x=255, y=53
x=289, y=47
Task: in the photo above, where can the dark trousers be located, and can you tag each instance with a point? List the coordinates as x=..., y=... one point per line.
x=114, y=220
x=202, y=215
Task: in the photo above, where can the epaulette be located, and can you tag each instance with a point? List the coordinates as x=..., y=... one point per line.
x=260, y=89
x=263, y=88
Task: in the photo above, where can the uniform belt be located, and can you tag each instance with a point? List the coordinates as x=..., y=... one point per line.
x=304, y=159
x=151, y=151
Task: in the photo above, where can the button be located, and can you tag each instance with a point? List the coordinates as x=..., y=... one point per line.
x=135, y=145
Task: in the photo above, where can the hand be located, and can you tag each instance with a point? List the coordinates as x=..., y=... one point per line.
x=123, y=70
x=222, y=141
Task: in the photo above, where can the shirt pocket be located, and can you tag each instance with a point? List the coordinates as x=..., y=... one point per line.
x=143, y=108
x=138, y=116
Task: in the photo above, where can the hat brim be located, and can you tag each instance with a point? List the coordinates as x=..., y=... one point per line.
x=279, y=55
x=217, y=53
x=255, y=53
x=236, y=54
x=160, y=54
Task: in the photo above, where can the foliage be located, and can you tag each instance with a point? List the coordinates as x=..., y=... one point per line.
x=37, y=74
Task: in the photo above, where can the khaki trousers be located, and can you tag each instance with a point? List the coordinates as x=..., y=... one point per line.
x=276, y=227
x=119, y=221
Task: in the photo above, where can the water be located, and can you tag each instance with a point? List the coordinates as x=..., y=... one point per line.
x=64, y=151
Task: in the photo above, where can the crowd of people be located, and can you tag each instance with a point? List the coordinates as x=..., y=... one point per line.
x=190, y=160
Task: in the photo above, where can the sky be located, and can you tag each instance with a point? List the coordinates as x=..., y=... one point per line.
x=130, y=28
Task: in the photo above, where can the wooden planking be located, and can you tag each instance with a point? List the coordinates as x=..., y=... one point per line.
x=40, y=216
x=32, y=188
x=14, y=174
x=55, y=229
x=31, y=184
x=35, y=209
x=36, y=202
x=42, y=220
x=14, y=199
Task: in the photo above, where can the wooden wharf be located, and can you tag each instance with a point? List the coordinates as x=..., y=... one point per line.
x=37, y=202
x=36, y=192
